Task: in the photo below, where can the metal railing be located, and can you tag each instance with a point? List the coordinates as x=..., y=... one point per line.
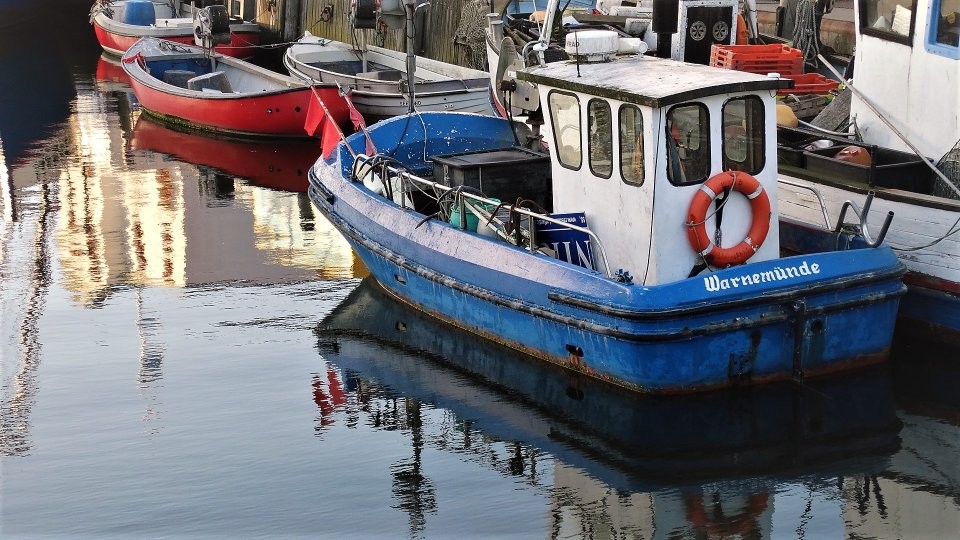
x=394, y=177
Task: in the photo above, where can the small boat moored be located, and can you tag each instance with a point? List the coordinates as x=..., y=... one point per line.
x=118, y=24
x=642, y=248
x=373, y=75
x=187, y=86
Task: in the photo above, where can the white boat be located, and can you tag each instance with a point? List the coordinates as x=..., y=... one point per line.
x=376, y=76
x=904, y=105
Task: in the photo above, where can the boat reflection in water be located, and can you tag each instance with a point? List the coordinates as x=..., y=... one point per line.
x=110, y=75
x=715, y=459
x=280, y=165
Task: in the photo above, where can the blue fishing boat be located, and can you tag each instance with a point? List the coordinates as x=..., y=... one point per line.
x=635, y=239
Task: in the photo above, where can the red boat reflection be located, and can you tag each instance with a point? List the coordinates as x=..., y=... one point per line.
x=110, y=75
x=279, y=165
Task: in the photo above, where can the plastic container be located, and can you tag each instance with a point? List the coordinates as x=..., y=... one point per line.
x=507, y=173
x=809, y=83
x=792, y=145
x=139, y=13
x=473, y=221
x=888, y=168
x=760, y=59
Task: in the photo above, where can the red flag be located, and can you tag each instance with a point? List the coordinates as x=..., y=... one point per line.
x=318, y=119
x=316, y=116
x=330, y=137
x=359, y=124
x=355, y=116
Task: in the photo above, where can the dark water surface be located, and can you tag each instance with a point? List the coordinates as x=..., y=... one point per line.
x=190, y=351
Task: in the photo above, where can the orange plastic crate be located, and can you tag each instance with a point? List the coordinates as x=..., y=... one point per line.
x=809, y=83
x=761, y=59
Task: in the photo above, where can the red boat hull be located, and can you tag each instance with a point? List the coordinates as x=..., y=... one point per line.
x=280, y=113
x=241, y=45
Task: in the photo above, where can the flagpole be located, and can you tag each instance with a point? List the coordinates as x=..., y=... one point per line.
x=410, y=9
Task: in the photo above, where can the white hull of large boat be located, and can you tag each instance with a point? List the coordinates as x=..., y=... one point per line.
x=914, y=224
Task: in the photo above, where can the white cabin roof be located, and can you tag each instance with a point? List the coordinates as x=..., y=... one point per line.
x=653, y=82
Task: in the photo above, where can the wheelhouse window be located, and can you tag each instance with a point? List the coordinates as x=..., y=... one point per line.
x=944, y=33
x=743, y=135
x=600, y=142
x=565, y=116
x=888, y=19
x=688, y=144
x=631, y=145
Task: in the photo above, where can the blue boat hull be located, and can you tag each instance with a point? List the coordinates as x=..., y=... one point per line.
x=775, y=320
x=926, y=310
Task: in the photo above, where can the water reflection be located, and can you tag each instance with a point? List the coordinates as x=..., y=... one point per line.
x=19, y=393
x=106, y=201
x=712, y=465
x=160, y=211
x=112, y=81
x=278, y=165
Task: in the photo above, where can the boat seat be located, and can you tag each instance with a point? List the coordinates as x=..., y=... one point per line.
x=216, y=80
x=178, y=77
x=382, y=75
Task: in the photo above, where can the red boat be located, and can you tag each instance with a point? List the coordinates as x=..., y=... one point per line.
x=183, y=85
x=120, y=23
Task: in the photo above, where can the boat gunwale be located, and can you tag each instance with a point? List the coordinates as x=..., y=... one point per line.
x=119, y=28
x=391, y=88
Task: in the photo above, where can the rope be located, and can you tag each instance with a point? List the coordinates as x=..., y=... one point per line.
x=100, y=6
x=805, y=35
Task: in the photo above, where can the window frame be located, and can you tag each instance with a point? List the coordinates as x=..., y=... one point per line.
x=889, y=35
x=705, y=142
x=761, y=130
x=590, y=138
x=642, y=142
x=930, y=39
x=556, y=131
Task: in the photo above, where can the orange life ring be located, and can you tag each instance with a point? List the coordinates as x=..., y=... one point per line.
x=697, y=230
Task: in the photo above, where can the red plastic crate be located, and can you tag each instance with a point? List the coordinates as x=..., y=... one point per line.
x=809, y=83
x=761, y=59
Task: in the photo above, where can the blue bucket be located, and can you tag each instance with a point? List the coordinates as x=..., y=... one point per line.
x=139, y=12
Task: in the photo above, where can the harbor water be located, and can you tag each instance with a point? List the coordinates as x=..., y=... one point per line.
x=189, y=350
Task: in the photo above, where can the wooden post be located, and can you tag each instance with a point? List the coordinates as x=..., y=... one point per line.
x=290, y=30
